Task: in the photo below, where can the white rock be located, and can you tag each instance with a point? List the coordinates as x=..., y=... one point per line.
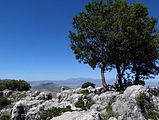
x=102, y=100
x=112, y=118
x=83, y=115
x=126, y=106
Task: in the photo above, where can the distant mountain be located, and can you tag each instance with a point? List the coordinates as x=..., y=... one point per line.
x=77, y=82
x=39, y=82
x=49, y=87
x=71, y=83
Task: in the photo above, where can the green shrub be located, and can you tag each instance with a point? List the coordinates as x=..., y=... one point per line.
x=5, y=116
x=89, y=104
x=16, y=85
x=80, y=104
x=98, y=92
x=4, y=102
x=49, y=97
x=84, y=92
x=139, y=82
x=147, y=107
x=87, y=84
x=48, y=114
x=109, y=113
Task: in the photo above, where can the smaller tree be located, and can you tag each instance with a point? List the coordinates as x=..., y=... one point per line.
x=89, y=42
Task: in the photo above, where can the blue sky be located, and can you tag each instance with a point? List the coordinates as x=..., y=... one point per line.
x=34, y=43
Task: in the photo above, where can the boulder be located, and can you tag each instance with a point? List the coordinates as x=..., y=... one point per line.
x=22, y=107
x=7, y=93
x=33, y=114
x=126, y=106
x=102, y=100
x=112, y=118
x=156, y=102
x=44, y=96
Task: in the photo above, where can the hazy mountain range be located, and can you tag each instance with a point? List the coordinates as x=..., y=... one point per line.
x=55, y=85
x=72, y=82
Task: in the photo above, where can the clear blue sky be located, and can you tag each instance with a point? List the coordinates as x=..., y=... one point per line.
x=34, y=43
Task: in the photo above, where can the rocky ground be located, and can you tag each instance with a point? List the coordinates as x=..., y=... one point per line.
x=135, y=103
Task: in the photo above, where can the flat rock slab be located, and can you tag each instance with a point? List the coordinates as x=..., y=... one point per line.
x=75, y=115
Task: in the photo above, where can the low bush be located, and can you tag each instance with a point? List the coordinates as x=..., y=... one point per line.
x=87, y=84
x=5, y=116
x=16, y=85
x=139, y=82
x=48, y=114
x=84, y=92
x=109, y=113
x=98, y=92
x=80, y=104
x=4, y=102
x=147, y=107
x=89, y=103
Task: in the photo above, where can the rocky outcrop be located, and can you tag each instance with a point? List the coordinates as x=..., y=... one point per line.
x=5, y=93
x=103, y=100
x=44, y=96
x=23, y=109
x=124, y=105
x=83, y=115
x=33, y=114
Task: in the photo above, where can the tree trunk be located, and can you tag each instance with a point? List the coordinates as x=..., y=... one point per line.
x=119, y=80
x=103, y=78
x=137, y=78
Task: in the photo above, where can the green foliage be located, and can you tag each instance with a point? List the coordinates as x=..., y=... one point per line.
x=87, y=84
x=98, y=92
x=109, y=113
x=80, y=104
x=89, y=42
x=89, y=103
x=4, y=102
x=5, y=116
x=16, y=85
x=147, y=107
x=117, y=35
x=48, y=114
x=139, y=82
x=84, y=92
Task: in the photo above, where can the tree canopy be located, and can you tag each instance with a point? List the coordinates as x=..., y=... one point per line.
x=116, y=34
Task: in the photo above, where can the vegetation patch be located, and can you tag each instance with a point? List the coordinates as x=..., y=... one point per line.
x=89, y=104
x=109, y=113
x=88, y=84
x=48, y=114
x=81, y=104
x=84, y=92
x=16, y=85
x=98, y=92
x=147, y=107
x=4, y=102
x=5, y=116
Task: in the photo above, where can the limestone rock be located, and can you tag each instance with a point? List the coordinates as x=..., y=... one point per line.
x=83, y=115
x=33, y=114
x=102, y=101
x=44, y=96
x=126, y=106
x=21, y=109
